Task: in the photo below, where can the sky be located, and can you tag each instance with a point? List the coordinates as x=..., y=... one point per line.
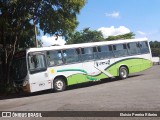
x=116, y=17
x=141, y=17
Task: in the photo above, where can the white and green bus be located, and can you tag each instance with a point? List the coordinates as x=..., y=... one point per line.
x=57, y=67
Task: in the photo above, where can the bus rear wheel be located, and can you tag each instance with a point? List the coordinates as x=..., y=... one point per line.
x=59, y=84
x=123, y=72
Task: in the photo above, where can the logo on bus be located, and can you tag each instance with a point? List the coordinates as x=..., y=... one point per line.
x=103, y=63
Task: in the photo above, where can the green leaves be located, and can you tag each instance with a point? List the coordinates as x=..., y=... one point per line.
x=86, y=35
x=18, y=20
x=52, y=16
x=59, y=16
x=130, y=35
x=155, y=48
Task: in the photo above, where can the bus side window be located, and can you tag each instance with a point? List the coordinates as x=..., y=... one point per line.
x=114, y=47
x=120, y=50
x=144, y=47
x=70, y=56
x=110, y=47
x=98, y=49
x=133, y=48
x=95, y=52
x=54, y=58
x=128, y=45
x=87, y=53
x=105, y=52
x=78, y=51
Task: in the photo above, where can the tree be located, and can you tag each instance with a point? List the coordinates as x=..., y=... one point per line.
x=84, y=36
x=155, y=44
x=17, y=18
x=130, y=35
x=155, y=52
x=155, y=48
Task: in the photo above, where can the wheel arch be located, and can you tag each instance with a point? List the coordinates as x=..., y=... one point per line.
x=63, y=77
x=123, y=66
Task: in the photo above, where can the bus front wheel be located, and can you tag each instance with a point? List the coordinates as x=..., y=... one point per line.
x=59, y=84
x=123, y=72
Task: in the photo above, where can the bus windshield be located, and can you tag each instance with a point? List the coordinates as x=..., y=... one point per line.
x=19, y=69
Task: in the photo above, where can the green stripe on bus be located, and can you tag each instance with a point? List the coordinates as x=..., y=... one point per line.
x=81, y=70
x=134, y=65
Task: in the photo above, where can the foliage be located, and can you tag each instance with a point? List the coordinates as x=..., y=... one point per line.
x=130, y=35
x=52, y=16
x=155, y=44
x=18, y=20
x=86, y=35
x=155, y=48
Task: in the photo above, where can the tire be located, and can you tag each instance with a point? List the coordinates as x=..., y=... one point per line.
x=59, y=85
x=123, y=72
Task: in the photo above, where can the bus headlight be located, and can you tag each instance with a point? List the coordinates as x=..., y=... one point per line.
x=14, y=84
x=25, y=82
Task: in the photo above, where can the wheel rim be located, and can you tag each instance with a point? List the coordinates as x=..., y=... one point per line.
x=59, y=85
x=123, y=73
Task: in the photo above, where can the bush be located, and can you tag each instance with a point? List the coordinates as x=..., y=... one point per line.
x=7, y=89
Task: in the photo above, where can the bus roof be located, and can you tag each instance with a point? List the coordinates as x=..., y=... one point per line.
x=85, y=44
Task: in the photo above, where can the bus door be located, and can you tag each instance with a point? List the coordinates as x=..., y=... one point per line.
x=38, y=77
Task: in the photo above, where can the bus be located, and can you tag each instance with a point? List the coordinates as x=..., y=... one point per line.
x=57, y=67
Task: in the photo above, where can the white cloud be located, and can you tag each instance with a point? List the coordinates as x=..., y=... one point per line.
x=112, y=31
x=48, y=41
x=141, y=33
x=113, y=14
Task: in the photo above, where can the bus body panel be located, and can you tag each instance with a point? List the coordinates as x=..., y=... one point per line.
x=39, y=81
x=67, y=71
x=87, y=70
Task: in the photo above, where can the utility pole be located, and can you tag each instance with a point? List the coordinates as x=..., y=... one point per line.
x=35, y=31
